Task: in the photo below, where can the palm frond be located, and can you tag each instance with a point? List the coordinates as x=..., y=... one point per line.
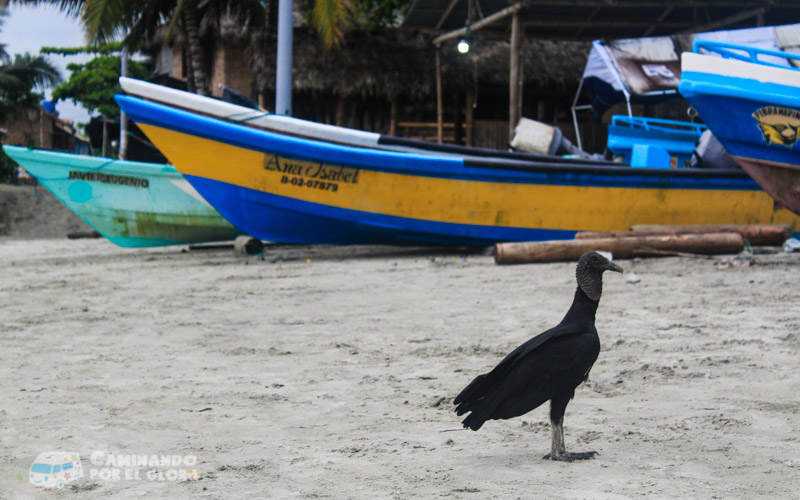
x=331, y=18
x=32, y=71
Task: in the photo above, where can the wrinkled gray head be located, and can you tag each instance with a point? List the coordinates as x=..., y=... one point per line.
x=589, y=273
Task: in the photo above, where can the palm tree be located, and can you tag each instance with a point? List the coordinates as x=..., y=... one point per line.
x=137, y=21
x=20, y=78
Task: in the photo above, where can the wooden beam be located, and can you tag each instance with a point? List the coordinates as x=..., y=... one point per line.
x=591, y=16
x=649, y=3
x=486, y=21
x=660, y=18
x=446, y=14
x=725, y=21
x=579, y=23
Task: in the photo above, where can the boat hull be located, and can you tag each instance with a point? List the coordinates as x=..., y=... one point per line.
x=287, y=189
x=131, y=204
x=754, y=111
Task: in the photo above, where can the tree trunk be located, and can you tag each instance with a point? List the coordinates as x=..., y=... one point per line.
x=104, y=148
x=195, y=49
x=189, y=74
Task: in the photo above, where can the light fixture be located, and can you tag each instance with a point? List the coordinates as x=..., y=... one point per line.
x=463, y=44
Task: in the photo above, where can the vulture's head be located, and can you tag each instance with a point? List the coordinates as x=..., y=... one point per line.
x=589, y=273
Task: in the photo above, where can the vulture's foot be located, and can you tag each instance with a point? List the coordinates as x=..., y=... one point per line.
x=570, y=457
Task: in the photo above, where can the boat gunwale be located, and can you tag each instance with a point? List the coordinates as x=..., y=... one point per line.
x=361, y=139
x=103, y=164
x=250, y=138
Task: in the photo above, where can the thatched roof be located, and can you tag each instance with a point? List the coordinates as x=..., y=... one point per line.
x=386, y=64
x=396, y=63
x=546, y=64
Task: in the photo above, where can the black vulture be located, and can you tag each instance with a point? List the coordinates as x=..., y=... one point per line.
x=548, y=367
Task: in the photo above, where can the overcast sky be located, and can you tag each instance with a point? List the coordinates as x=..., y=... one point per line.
x=26, y=29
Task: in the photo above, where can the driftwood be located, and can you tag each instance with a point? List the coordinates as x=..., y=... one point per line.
x=621, y=248
x=76, y=235
x=247, y=245
x=756, y=234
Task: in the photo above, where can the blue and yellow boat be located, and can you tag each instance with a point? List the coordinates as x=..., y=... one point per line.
x=130, y=203
x=288, y=189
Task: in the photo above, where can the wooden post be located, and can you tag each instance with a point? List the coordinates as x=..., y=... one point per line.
x=469, y=107
x=458, y=125
x=41, y=128
x=514, y=97
x=340, y=112
x=105, y=138
x=439, y=110
x=393, y=117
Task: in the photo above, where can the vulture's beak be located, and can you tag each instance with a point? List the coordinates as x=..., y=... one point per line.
x=614, y=267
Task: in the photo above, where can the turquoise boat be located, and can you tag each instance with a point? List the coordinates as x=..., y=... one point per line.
x=132, y=204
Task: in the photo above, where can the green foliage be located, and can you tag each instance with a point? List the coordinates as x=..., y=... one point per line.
x=103, y=48
x=331, y=18
x=382, y=13
x=94, y=84
x=20, y=78
x=7, y=166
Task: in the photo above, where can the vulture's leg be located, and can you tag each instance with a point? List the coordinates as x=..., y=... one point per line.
x=557, y=449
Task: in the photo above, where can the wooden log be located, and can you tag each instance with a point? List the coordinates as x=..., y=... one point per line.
x=76, y=235
x=756, y=234
x=621, y=248
x=247, y=245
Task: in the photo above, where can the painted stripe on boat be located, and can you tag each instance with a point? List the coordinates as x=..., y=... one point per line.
x=712, y=65
x=460, y=201
x=428, y=166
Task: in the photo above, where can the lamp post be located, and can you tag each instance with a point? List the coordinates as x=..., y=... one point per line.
x=283, y=85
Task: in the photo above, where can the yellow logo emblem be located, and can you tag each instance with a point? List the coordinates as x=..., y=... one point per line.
x=779, y=125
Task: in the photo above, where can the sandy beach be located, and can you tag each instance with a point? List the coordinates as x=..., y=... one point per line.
x=319, y=372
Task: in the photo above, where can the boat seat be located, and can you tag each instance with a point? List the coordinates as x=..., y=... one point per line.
x=676, y=138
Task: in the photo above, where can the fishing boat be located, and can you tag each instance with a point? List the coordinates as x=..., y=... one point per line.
x=288, y=189
x=296, y=127
x=131, y=204
x=750, y=99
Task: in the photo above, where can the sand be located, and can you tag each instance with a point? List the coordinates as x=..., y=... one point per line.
x=32, y=212
x=330, y=372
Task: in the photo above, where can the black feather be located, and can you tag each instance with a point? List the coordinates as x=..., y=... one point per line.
x=549, y=366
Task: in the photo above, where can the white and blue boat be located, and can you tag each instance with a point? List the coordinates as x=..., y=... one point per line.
x=132, y=204
x=750, y=99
